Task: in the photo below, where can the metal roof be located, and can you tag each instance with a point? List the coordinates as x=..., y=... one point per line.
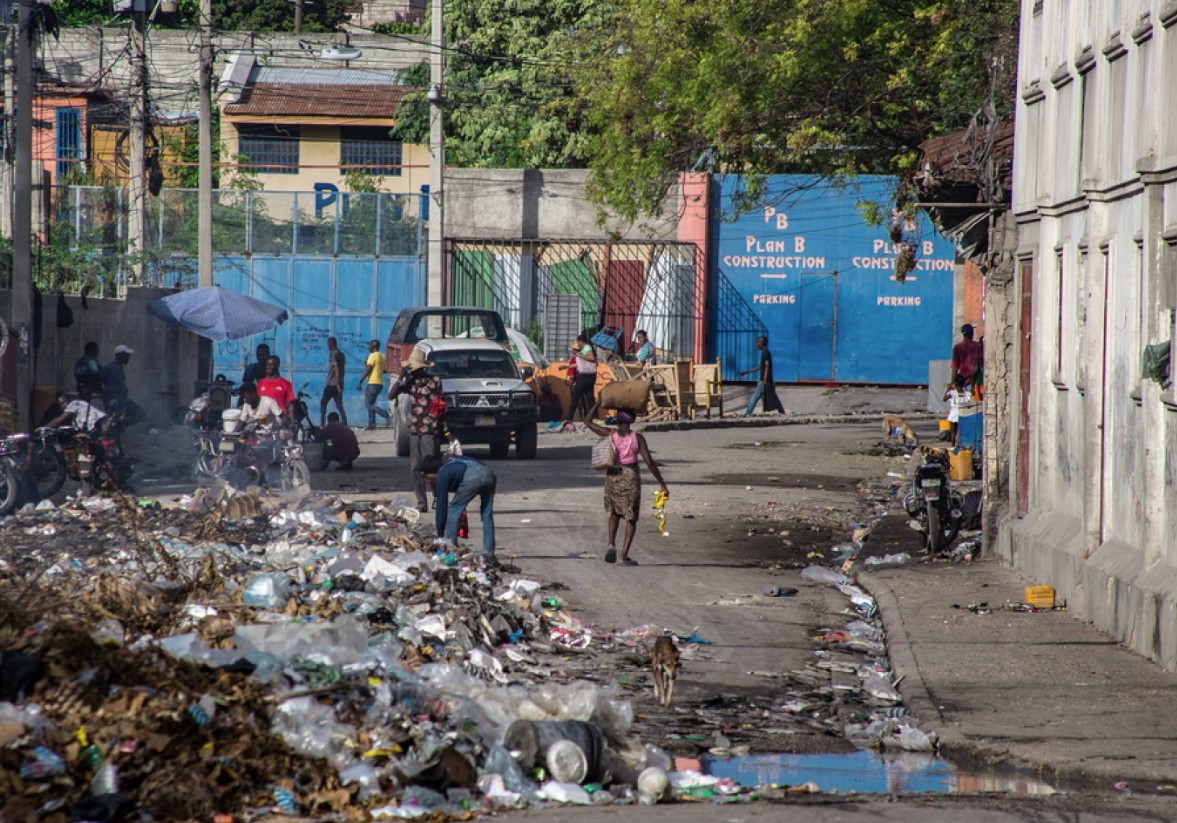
x=318, y=76
x=342, y=101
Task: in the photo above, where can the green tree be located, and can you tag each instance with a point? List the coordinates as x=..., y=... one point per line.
x=827, y=87
x=510, y=100
x=256, y=15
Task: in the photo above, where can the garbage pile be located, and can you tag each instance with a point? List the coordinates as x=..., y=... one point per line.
x=326, y=659
x=853, y=659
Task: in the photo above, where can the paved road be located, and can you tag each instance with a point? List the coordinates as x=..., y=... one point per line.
x=747, y=504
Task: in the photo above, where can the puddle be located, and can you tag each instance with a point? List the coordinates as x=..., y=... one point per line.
x=868, y=772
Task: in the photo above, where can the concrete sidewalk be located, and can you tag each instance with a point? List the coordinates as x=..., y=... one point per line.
x=1039, y=691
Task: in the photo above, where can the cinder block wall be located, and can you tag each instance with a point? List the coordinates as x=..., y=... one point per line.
x=162, y=370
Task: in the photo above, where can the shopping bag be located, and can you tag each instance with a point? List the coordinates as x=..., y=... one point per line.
x=604, y=453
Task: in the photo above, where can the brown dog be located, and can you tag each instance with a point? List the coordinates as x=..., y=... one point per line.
x=664, y=661
x=891, y=423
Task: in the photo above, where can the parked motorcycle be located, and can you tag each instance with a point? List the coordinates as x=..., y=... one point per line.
x=248, y=459
x=54, y=459
x=101, y=462
x=204, y=426
x=935, y=508
x=11, y=456
x=305, y=431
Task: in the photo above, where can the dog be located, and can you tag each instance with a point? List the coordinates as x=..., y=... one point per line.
x=894, y=426
x=664, y=662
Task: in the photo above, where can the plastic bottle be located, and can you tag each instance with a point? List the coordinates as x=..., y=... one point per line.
x=653, y=782
x=464, y=527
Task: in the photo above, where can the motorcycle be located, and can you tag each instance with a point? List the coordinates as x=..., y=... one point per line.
x=11, y=457
x=54, y=459
x=247, y=459
x=935, y=508
x=204, y=423
x=304, y=430
x=101, y=462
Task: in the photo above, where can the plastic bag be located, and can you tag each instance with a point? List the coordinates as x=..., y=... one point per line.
x=1156, y=363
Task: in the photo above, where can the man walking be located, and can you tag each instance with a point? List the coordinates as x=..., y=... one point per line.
x=88, y=373
x=765, y=387
x=372, y=383
x=333, y=390
x=424, y=390
x=114, y=382
x=465, y=478
x=968, y=358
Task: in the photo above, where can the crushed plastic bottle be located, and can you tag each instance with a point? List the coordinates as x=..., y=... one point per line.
x=268, y=591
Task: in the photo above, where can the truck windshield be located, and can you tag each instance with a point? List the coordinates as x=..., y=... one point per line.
x=481, y=364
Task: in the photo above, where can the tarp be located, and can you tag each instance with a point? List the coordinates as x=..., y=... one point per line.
x=218, y=313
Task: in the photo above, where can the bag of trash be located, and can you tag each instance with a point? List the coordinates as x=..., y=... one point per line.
x=1156, y=363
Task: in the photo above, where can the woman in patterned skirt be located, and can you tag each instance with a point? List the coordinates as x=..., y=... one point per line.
x=623, y=482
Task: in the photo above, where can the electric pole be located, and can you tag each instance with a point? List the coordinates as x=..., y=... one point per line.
x=298, y=16
x=7, y=53
x=22, y=214
x=137, y=188
x=436, y=249
x=204, y=218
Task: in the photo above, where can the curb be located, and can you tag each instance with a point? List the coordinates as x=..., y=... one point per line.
x=911, y=685
x=762, y=422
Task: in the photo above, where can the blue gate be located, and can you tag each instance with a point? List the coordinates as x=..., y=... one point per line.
x=354, y=299
x=821, y=282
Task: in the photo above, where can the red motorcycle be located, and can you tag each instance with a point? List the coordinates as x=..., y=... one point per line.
x=101, y=462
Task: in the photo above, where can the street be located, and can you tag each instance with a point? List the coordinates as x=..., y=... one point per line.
x=750, y=507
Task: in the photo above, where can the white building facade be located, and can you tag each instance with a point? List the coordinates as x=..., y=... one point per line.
x=1093, y=457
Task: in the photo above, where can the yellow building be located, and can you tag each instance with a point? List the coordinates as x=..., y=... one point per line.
x=291, y=128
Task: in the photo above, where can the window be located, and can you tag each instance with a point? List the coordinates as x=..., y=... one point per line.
x=269, y=149
x=369, y=150
x=69, y=141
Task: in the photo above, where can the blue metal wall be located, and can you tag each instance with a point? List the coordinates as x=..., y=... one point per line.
x=354, y=299
x=821, y=280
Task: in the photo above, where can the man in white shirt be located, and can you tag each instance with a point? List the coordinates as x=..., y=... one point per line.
x=263, y=412
x=76, y=412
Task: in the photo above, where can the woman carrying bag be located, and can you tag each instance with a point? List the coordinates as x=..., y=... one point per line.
x=623, y=480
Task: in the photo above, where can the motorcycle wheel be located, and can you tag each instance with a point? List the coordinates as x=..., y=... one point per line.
x=206, y=465
x=8, y=488
x=296, y=476
x=935, y=534
x=48, y=471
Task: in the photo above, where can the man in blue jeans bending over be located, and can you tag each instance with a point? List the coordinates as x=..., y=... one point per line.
x=465, y=478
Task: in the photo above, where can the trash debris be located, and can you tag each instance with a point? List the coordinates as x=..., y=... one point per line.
x=324, y=658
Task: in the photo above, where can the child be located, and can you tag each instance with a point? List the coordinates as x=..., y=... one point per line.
x=956, y=396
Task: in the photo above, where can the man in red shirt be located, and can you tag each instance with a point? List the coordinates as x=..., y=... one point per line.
x=968, y=357
x=274, y=386
x=339, y=443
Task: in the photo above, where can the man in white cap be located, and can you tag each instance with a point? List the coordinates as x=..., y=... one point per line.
x=425, y=414
x=114, y=382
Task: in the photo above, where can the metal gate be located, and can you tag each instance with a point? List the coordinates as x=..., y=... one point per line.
x=628, y=285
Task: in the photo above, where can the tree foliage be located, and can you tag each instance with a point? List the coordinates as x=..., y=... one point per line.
x=255, y=15
x=510, y=97
x=828, y=87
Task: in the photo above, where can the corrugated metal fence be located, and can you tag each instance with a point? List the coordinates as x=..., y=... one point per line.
x=629, y=285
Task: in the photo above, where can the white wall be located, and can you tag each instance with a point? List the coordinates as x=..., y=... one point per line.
x=1095, y=193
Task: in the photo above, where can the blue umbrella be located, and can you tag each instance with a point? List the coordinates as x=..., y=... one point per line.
x=218, y=313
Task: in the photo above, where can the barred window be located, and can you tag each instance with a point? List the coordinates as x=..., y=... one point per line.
x=369, y=150
x=269, y=149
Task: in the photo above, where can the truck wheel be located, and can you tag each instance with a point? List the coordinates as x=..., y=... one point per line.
x=525, y=442
x=500, y=447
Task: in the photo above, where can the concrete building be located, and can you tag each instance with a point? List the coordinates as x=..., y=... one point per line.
x=1093, y=502
x=294, y=127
